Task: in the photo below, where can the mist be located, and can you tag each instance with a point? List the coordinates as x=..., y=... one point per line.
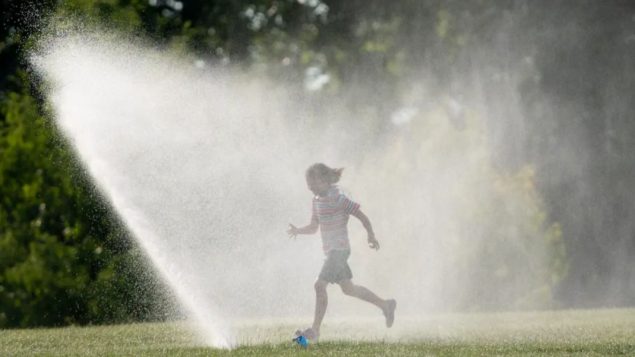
x=204, y=163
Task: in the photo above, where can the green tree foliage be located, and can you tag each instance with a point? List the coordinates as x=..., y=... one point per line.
x=36, y=268
x=584, y=143
x=63, y=259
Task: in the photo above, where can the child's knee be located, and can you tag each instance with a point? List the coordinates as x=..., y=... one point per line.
x=320, y=286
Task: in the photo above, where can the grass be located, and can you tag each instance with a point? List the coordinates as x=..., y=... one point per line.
x=571, y=332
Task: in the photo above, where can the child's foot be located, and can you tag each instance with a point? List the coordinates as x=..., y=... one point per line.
x=389, y=312
x=311, y=334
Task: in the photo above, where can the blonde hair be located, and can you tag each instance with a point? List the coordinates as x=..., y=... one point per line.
x=325, y=173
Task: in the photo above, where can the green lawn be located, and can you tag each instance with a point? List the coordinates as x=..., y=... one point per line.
x=571, y=332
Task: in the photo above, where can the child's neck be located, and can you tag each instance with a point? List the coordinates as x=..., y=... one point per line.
x=325, y=192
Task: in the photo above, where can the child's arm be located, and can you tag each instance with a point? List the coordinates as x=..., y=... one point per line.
x=372, y=241
x=311, y=228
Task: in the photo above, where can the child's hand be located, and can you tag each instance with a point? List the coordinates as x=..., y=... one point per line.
x=373, y=243
x=292, y=231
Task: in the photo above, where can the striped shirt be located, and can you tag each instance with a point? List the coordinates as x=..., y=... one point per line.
x=331, y=212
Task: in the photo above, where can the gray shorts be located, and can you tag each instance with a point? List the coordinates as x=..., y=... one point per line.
x=335, y=268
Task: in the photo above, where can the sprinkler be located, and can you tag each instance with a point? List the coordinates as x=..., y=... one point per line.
x=300, y=339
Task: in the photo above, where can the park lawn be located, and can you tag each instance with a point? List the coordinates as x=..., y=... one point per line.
x=569, y=332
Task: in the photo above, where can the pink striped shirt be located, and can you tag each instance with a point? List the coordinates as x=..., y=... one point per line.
x=332, y=213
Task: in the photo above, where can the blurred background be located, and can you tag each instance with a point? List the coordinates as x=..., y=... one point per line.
x=552, y=84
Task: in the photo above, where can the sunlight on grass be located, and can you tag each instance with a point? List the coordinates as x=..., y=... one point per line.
x=585, y=332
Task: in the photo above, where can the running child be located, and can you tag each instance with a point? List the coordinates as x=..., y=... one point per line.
x=331, y=210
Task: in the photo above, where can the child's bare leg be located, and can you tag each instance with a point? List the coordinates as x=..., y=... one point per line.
x=321, y=302
x=363, y=293
x=360, y=292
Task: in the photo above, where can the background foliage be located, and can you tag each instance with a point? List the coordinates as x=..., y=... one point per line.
x=65, y=259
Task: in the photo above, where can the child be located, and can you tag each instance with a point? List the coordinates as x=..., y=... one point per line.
x=330, y=213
